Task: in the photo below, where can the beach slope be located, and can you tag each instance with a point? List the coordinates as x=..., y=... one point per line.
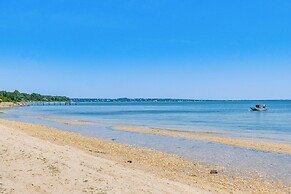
x=33, y=165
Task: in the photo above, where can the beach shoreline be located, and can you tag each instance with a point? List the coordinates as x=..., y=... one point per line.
x=158, y=164
x=208, y=136
x=33, y=165
x=8, y=105
x=4, y=105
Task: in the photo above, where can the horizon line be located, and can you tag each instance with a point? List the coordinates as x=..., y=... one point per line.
x=119, y=98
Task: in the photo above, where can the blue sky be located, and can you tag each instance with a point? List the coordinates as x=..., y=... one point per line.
x=204, y=49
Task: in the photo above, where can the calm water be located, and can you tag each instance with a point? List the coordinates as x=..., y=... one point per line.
x=230, y=118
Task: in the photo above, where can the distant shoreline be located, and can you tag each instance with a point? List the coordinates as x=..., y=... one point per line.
x=157, y=100
x=11, y=104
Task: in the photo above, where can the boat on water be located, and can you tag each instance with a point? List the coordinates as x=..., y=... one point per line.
x=258, y=107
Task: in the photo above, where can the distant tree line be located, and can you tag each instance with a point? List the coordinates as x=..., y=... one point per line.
x=133, y=100
x=16, y=96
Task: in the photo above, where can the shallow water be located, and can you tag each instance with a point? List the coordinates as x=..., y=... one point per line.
x=231, y=118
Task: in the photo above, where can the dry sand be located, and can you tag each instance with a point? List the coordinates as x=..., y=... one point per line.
x=7, y=104
x=32, y=165
x=40, y=159
x=11, y=104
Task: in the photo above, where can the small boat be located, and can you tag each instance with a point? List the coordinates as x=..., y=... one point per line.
x=259, y=108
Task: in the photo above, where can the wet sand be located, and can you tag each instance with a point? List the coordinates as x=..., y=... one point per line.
x=65, y=121
x=212, y=137
x=73, y=163
x=196, y=135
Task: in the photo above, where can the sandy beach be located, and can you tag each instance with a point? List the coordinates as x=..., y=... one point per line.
x=4, y=105
x=196, y=135
x=138, y=97
x=32, y=165
x=7, y=104
x=41, y=159
x=212, y=137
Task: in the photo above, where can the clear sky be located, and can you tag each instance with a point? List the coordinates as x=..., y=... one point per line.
x=202, y=49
